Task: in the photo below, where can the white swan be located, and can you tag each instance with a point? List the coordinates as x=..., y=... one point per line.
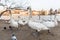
x=22, y=21
x=41, y=25
x=37, y=26
x=51, y=23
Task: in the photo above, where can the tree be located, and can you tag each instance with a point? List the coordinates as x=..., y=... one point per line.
x=15, y=4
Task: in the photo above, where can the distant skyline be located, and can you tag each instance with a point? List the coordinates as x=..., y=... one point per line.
x=45, y=4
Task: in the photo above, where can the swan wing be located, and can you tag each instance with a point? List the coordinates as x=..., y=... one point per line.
x=49, y=24
x=37, y=26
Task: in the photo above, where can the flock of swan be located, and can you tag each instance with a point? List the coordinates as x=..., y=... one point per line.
x=45, y=23
x=36, y=24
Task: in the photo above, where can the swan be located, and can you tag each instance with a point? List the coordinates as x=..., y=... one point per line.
x=13, y=23
x=35, y=25
x=48, y=23
x=51, y=23
x=22, y=21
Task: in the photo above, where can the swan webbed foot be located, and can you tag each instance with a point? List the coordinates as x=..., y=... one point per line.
x=50, y=33
x=36, y=34
x=17, y=28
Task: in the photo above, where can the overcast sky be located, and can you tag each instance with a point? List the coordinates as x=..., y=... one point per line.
x=36, y=4
x=45, y=4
